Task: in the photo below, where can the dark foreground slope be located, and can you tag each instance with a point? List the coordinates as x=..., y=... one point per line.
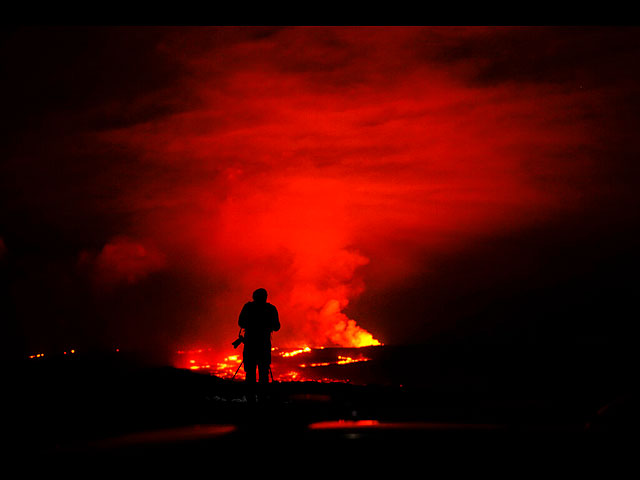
x=111, y=406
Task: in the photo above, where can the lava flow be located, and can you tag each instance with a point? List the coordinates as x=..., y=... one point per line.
x=299, y=364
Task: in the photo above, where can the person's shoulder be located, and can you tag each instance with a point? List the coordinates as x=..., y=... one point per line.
x=271, y=306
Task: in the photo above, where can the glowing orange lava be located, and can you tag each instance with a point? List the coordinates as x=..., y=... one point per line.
x=285, y=366
x=294, y=352
x=365, y=339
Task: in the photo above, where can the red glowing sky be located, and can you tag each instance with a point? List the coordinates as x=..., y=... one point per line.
x=167, y=173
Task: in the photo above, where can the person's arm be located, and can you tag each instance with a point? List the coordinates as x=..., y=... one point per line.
x=276, y=320
x=243, y=319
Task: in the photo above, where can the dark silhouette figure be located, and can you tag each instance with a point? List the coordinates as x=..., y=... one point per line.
x=258, y=319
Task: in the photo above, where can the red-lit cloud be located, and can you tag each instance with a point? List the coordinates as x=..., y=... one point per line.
x=320, y=163
x=313, y=153
x=122, y=261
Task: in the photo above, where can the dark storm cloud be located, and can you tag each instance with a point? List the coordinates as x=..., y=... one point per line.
x=90, y=77
x=62, y=85
x=573, y=56
x=60, y=191
x=567, y=280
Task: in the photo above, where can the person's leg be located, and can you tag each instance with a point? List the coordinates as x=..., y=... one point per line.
x=250, y=379
x=263, y=372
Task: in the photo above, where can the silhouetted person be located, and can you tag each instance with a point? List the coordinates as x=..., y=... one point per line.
x=258, y=319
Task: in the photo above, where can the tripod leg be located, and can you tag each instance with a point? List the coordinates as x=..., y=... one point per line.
x=234, y=375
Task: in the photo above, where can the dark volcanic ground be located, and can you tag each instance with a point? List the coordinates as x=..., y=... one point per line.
x=87, y=406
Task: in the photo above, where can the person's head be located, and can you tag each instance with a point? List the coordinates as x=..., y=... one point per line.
x=260, y=295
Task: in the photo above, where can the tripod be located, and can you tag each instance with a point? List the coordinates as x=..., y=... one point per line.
x=234, y=375
x=237, y=343
x=241, y=363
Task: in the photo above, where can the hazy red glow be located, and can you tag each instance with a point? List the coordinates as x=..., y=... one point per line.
x=179, y=169
x=355, y=425
x=297, y=181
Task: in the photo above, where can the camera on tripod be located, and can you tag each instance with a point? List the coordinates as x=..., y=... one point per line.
x=238, y=341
